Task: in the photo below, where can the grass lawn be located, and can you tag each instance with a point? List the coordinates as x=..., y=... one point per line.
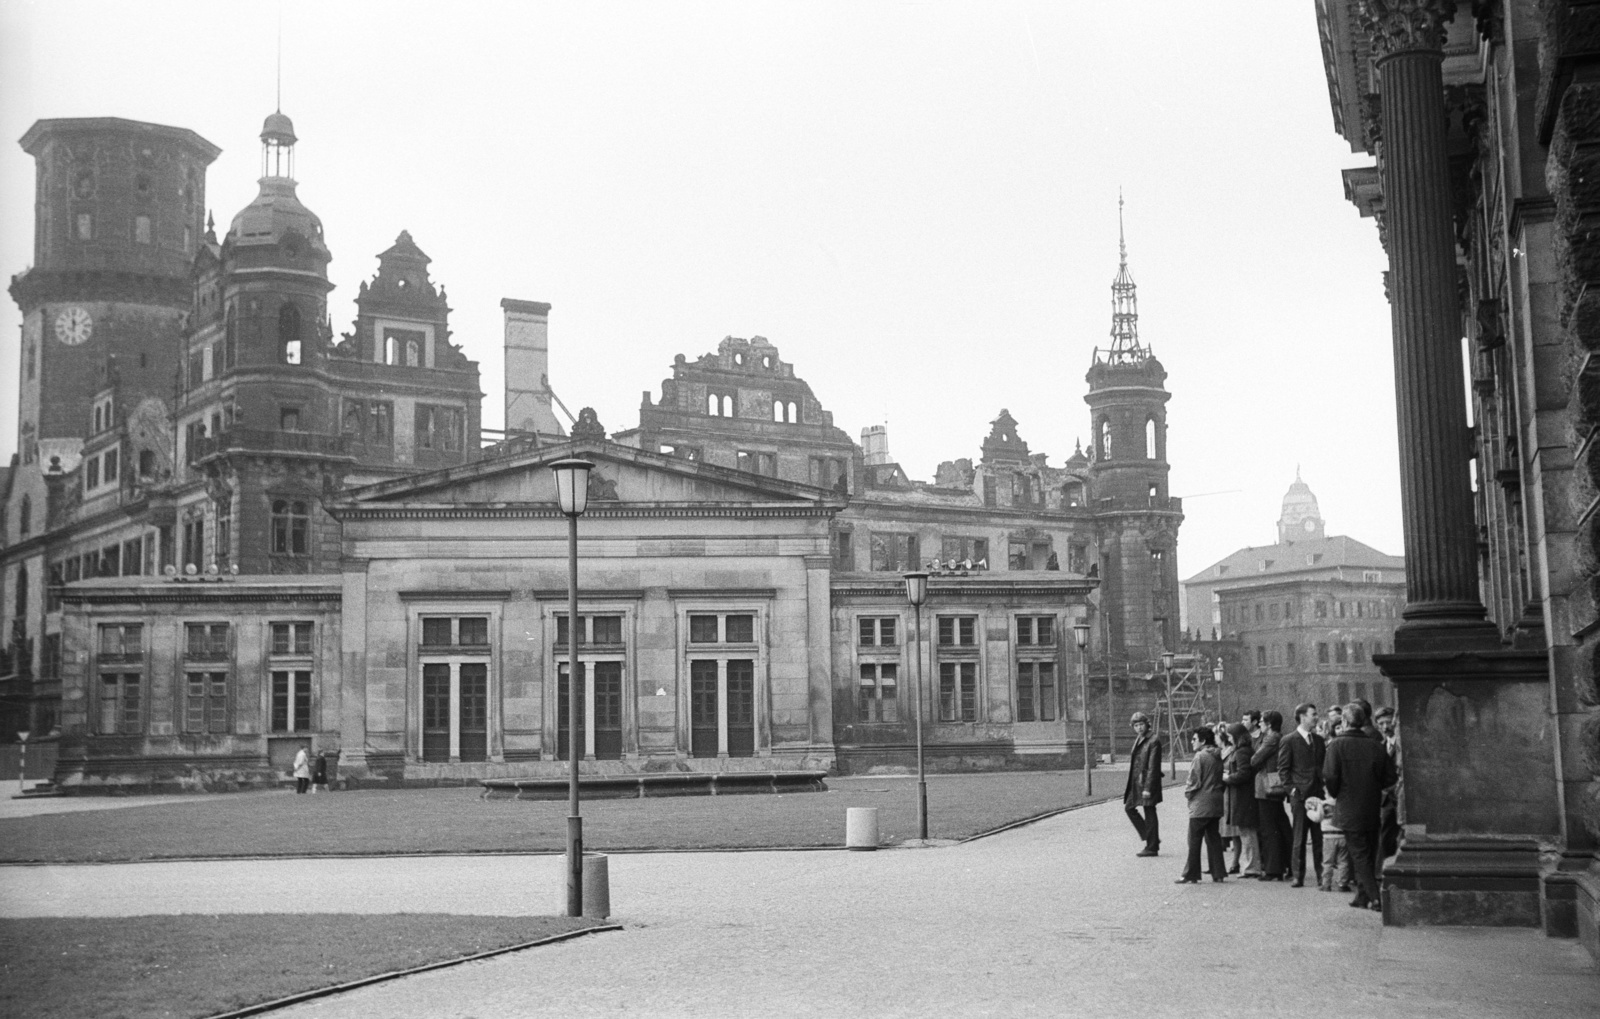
x=143, y=967
x=455, y=820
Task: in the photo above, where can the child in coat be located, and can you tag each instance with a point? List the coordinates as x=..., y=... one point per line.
x=1335, y=856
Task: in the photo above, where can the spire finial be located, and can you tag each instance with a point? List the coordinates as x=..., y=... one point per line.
x=1125, y=347
x=1122, y=239
x=278, y=98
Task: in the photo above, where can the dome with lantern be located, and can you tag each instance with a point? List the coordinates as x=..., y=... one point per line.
x=276, y=228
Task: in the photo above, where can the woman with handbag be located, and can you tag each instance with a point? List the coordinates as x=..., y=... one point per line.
x=1272, y=825
x=1239, y=814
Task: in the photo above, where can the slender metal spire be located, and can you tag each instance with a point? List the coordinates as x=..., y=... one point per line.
x=1125, y=347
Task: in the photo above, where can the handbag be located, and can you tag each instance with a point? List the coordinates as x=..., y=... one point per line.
x=1269, y=785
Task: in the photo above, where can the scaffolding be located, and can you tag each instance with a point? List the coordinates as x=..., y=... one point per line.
x=1183, y=703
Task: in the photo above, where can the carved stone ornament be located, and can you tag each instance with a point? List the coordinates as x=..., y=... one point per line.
x=588, y=428
x=1398, y=26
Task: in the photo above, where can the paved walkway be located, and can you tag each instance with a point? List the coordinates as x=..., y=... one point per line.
x=1058, y=918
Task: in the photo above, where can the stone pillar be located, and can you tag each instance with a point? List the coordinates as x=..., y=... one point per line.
x=1443, y=610
x=1479, y=807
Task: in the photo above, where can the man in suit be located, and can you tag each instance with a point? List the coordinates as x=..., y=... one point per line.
x=1300, y=760
x=1356, y=772
x=1143, y=791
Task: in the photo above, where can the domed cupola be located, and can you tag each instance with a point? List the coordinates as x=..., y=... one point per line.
x=1301, y=518
x=276, y=229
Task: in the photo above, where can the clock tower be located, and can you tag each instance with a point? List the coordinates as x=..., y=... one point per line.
x=118, y=213
x=1300, y=520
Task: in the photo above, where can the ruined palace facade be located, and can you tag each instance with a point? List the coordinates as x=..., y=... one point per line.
x=310, y=543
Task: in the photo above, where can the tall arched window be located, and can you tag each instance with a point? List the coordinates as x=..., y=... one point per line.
x=20, y=613
x=289, y=333
x=713, y=404
x=1105, y=440
x=230, y=338
x=25, y=516
x=391, y=350
x=1150, y=438
x=727, y=406
x=291, y=524
x=777, y=411
x=413, y=353
x=793, y=412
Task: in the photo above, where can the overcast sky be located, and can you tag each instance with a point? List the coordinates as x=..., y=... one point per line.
x=916, y=202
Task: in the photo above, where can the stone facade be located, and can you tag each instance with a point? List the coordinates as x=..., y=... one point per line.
x=1482, y=121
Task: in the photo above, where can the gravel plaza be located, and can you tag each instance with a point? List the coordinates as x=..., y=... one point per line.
x=1052, y=918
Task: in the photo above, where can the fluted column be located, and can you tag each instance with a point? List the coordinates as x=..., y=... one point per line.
x=1443, y=610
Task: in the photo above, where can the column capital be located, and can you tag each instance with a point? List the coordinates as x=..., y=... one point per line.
x=1400, y=26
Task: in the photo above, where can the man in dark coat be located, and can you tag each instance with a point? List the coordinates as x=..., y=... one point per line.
x=1357, y=771
x=1204, y=793
x=1144, y=785
x=1300, y=759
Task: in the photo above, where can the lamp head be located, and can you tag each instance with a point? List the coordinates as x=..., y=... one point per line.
x=916, y=588
x=572, y=485
x=1216, y=672
x=1166, y=660
x=1080, y=633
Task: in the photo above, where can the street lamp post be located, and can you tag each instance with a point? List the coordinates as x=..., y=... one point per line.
x=1166, y=667
x=1080, y=634
x=572, y=492
x=1216, y=674
x=916, y=594
x=22, y=775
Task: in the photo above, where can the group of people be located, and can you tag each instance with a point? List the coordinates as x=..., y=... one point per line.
x=1258, y=796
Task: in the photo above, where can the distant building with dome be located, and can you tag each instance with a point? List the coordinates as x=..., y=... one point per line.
x=1306, y=614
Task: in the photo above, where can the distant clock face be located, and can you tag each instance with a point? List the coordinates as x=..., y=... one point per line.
x=1309, y=525
x=74, y=326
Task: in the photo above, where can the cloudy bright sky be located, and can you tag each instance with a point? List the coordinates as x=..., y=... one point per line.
x=916, y=202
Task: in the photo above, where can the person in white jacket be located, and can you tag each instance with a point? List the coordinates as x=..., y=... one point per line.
x=302, y=770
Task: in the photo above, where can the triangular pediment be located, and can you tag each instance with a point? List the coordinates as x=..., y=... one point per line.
x=623, y=477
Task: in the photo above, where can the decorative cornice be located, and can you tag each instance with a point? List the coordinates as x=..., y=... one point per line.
x=189, y=594
x=588, y=595
x=766, y=593
x=472, y=594
x=1404, y=26
x=549, y=511
x=893, y=586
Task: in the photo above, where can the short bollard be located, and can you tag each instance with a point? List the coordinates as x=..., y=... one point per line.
x=861, y=828
x=596, y=886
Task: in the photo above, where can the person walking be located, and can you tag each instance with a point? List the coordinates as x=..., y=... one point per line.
x=1272, y=823
x=302, y=770
x=1143, y=791
x=1239, y=815
x=1357, y=771
x=1300, y=759
x=1204, y=793
x=319, y=774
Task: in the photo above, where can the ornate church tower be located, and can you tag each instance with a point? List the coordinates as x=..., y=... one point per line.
x=1138, y=522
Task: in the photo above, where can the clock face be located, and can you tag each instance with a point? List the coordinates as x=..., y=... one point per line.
x=74, y=326
x=1309, y=525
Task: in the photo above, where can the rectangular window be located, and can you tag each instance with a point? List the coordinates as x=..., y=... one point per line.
x=205, y=704
x=109, y=471
x=472, y=631
x=1017, y=556
x=1344, y=693
x=879, y=700
x=1322, y=654
x=1341, y=654
x=291, y=638
x=111, y=561
x=1036, y=631
x=844, y=553
x=1358, y=652
x=607, y=629
x=827, y=471
x=962, y=550
x=132, y=557
x=122, y=642
x=288, y=419
x=1260, y=615
x=894, y=553
x=1274, y=610
x=1377, y=647
x=958, y=691
x=1322, y=610
x=878, y=631
x=681, y=451
x=958, y=631
x=91, y=473
x=1261, y=655
x=1036, y=691
x=758, y=463
x=206, y=641
x=1078, y=558
x=291, y=700
x=703, y=629
x=120, y=697
x=740, y=628
x=1288, y=653
x=436, y=631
